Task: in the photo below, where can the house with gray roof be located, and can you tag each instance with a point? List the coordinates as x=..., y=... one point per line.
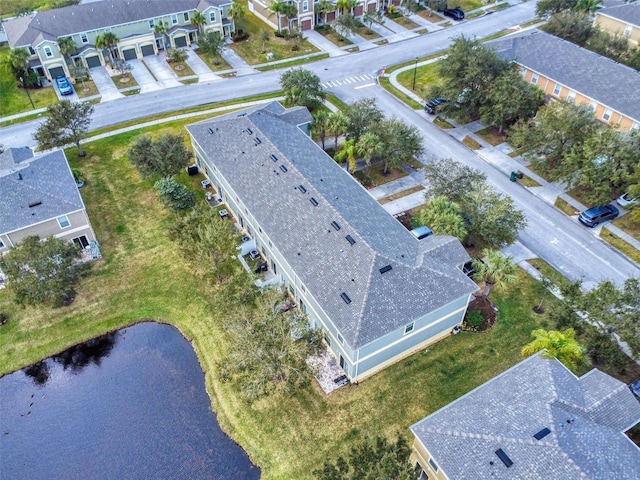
x=566, y=71
x=377, y=292
x=620, y=20
x=133, y=22
x=535, y=421
x=39, y=196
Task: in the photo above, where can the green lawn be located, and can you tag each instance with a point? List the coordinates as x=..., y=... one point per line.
x=13, y=99
x=143, y=276
x=426, y=77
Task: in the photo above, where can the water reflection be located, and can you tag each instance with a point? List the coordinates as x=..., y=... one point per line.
x=122, y=406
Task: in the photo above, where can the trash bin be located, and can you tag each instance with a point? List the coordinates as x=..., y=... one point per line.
x=520, y=175
x=514, y=176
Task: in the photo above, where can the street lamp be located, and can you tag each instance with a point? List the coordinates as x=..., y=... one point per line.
x=415, y=71
x=27, y=92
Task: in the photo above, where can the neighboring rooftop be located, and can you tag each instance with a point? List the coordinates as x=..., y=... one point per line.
x=59, y=22
x=548, y=422
x=629, y=13
x=331, y=232
x=609, y=83
x=35, y=189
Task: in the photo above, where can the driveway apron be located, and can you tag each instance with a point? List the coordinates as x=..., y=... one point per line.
x=323, y=44
x=237, y=62
x=163, y=73
x=200, y=68
x=144, y=78
x=104, y=84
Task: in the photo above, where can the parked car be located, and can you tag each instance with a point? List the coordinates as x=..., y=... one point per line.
x=454, y=13
x=64, y=86
x=432, y=105
x=625, y=200
x=597, y=215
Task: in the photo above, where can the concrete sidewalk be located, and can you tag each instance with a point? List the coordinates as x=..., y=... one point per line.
x=323, y=44
x=237, y=62
x=204, y=73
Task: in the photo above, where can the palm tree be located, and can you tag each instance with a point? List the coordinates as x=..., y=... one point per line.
x=495, y=269
x=319, y=124
x=323, y=7
x=198, y=20
x=348, y=153
x=282, y=9
x=338, y=124
x=236, y=13
x=443, y=217
x=67, y=48
x=19, y=61
x=559, y=345
x=108, y=41
x=162, y=28
x=369, y=147
x=346, y=5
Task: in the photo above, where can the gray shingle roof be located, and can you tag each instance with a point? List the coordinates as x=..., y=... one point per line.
x=424, y=273
x=612, y=84
x=585, y=415
x=45, y=179
x=60, y=22
x=626, y=13
x=12, y=157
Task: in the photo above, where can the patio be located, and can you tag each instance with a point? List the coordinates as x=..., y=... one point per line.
x=327, y=372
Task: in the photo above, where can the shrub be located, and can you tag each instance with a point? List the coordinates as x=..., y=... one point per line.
x=473, y=319
x=174, y=194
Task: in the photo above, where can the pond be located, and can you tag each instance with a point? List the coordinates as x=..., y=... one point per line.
x=130, y=404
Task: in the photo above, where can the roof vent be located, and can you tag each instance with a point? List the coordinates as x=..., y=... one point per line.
x=302, y=189
x=249, y=131
x=313, y=201
x=19, y=176
x=335, y=225
x=210, y=131
x=346, y=298
x=385, y=269
x=274, y=158
x=542, y=433
x=283, y=168
x=350, y=239
x=35, y=204
x=504, y=457
x=257, y=140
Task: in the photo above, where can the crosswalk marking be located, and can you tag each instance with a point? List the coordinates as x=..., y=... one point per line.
x=348, y=80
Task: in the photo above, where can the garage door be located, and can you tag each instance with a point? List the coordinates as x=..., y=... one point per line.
x=93, y=61
x=306, y=25
x=148, y=50
x=129, y=54
x=56, y=72
x=181, y=41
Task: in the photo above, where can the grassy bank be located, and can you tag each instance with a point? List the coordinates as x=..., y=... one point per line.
x=144, y=277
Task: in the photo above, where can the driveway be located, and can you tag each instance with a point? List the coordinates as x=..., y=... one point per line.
x=143, y=76
x=200, y=68
x=104, y=84
x=163, y=73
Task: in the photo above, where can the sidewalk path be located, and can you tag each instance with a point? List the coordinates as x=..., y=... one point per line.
x=237, y=62
x=204, y=73
x=323, y=44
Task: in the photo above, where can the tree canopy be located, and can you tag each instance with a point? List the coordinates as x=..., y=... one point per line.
x=269, y=347
x=174, y=194
x=371, y=459
x=562, y=346
x=443, y=217
x=211, y=43
x=65, y=123
x=362, y=115
x=163, y=156
x=302, y=87
x=43, y=271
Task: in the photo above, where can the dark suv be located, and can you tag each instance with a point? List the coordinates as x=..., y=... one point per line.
x=432, y=105
x=454, y=13
x=597, y=215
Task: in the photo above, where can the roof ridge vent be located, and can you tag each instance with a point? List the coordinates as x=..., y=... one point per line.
x=35, y=204
x=385, y=269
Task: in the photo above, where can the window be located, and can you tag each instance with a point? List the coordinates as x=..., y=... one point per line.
x=607, y=114
x=556, y=90
x=627, y=31
x=81, y=241
x=174, y=19
x=571, y=97
x=409, y=328
x=592, y=106
x=635, y=126
x=84, y=38
x=152, y=24
x=340, y=339
x=31, y=50
x=534, y=78
x=48, y=52
x=63, y=221
x=433, y=464
x=305, y=6
x=185, y=15
x=1, y=244
x=212, y=16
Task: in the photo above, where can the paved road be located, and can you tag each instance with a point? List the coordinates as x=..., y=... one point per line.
x=550, y=234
